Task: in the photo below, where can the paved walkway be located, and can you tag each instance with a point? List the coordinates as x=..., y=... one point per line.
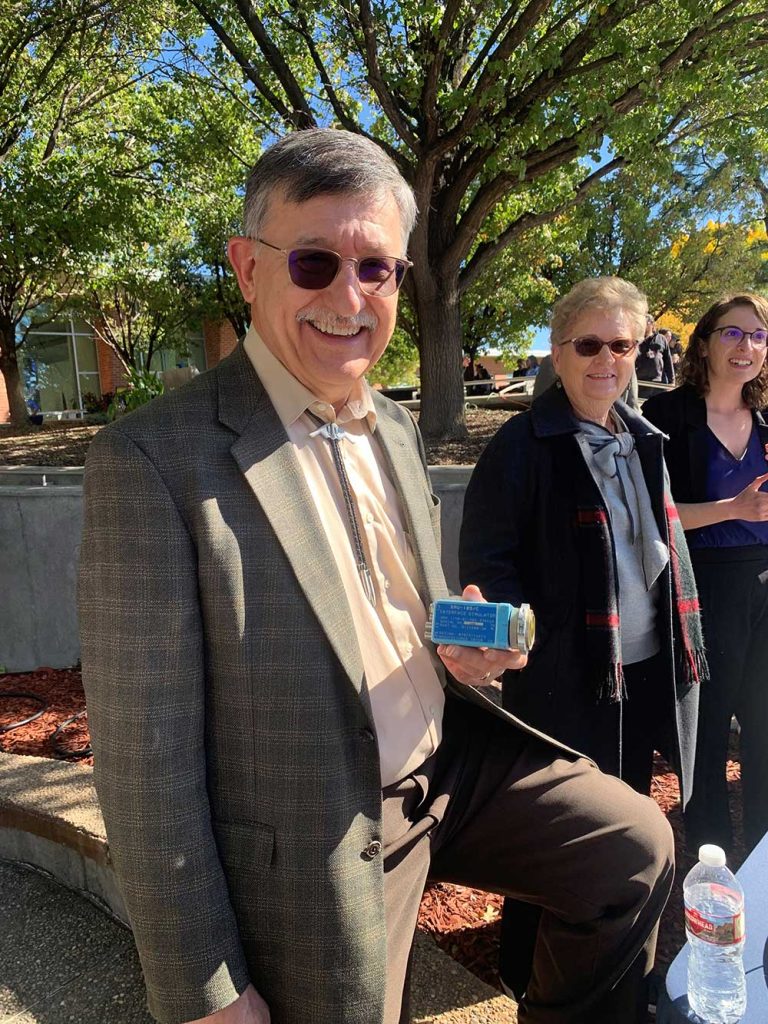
x=64, y=960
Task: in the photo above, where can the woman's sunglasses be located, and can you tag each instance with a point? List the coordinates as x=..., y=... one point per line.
x=590, y=346
x=315, y=269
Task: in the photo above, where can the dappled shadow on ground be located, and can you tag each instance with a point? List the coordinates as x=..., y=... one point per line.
x=54, y=444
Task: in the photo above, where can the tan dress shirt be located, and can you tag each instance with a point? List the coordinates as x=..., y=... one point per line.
x=405, y=692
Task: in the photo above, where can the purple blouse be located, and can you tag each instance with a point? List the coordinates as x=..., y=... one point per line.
x=726, y=477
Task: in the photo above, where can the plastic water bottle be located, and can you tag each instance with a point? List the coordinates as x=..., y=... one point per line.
x=714, y=924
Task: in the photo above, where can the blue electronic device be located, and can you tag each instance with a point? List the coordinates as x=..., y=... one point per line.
x=481, y=624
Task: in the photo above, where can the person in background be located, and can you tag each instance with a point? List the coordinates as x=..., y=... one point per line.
x=519, y=370
x=484, y=384
x=716, y=454
x=654, y=360
x=532, y=366
x=282, y=758
x=567, y=509
x=476, y=378
x=675, y=349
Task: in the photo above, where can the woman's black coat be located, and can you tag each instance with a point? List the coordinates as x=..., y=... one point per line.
x=520, y=542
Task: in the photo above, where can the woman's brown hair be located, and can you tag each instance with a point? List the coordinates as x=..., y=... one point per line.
x=693, y=366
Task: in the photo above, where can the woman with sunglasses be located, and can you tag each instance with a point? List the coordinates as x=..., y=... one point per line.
x=716, y=455
x=567, y=509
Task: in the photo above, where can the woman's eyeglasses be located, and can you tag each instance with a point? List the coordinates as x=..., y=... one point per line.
x=315, y=269
x=733, y=335
x=591, y=346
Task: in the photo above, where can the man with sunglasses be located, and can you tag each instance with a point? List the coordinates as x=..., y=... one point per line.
x=282, y=759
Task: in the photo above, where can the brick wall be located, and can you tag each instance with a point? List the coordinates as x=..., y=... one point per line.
x=111, y=370
x=220, y=339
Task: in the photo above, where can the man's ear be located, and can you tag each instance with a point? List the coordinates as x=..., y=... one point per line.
x=243, y=259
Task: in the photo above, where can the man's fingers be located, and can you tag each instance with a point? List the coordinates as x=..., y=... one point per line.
x=475, y=666
x=758, y=482
x=473, y=593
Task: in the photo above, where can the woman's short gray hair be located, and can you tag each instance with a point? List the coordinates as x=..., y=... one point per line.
x=605, y=293
x=325, y=161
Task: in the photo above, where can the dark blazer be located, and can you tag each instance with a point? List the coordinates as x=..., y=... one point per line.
x=236, y=758
x=519, y=542
x=682, y=415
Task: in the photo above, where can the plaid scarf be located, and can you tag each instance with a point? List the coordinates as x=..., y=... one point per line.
x=602, y=609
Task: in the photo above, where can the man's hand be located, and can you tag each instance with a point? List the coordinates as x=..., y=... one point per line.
x=478, y=666
x=249, y=1008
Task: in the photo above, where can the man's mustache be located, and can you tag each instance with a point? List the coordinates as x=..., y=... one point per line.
x=363, y=319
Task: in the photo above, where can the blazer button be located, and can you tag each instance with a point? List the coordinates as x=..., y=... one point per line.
x=372, y=850
x=367, y=735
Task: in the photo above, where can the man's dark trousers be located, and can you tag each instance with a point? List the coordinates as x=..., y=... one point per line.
x=505, y=812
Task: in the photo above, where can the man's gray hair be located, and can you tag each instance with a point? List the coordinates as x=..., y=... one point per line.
x=325, y=161
x=604, y=293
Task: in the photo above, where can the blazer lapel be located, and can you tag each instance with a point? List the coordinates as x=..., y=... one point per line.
x=266, y=458
x=407, y=474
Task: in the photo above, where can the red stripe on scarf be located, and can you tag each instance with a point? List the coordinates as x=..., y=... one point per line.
x=606, y=619
x=591, y=517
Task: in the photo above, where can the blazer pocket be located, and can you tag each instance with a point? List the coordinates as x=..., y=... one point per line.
x=245, y=848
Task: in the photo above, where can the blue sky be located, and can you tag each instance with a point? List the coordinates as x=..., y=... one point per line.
x=540, y=345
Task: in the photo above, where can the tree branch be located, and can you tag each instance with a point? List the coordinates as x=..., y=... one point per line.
x=486, y=253
x=249, y=71
x=376, y=79
x=302, y=29
x=434, y=70
x=302, y=116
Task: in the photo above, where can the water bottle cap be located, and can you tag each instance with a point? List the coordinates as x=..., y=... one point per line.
x=712, y=856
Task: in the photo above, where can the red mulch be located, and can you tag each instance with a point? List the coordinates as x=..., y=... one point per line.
x=464, y=922
x=63, y=693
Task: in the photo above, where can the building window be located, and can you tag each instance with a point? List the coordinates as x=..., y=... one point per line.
x=193, y=354
x=59, y=367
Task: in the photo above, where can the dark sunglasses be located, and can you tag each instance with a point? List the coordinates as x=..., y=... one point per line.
x=590, y=346
x=316, y=269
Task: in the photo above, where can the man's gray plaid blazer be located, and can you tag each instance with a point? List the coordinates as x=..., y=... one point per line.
x=236, y=762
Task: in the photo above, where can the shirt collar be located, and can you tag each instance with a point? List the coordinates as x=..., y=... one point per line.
x=292, y=399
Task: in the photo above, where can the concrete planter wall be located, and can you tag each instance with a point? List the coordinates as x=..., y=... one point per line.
x=41, y=520
x=39, y=547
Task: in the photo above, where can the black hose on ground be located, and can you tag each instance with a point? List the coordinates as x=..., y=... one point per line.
x=60, y=751
x=24, y=695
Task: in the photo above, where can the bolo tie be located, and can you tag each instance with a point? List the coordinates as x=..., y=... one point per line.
x=334, y=434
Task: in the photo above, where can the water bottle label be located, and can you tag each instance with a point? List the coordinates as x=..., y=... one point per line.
x=724, y=931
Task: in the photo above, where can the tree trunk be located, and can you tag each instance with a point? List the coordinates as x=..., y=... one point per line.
x=438, y=311
x=9, y=367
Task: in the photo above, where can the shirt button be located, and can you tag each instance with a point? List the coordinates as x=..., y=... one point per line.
x=367, y=735
x=372, y=850
x=369, y=517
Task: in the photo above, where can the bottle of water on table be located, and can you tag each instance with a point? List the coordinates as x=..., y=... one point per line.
x=714, y=925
